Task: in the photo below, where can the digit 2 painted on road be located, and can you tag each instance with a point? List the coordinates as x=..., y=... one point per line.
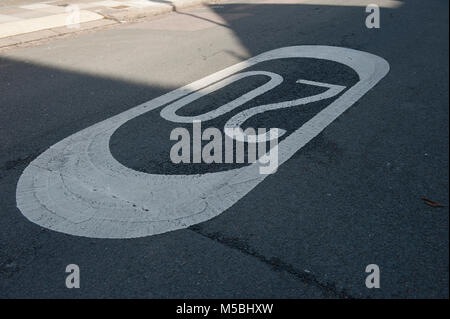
x=77, y=187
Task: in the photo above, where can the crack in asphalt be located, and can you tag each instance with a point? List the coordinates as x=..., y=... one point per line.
x=327, y=288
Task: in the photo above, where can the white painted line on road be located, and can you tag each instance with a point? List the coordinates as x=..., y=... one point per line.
x=240, y=118
x=169, y=112
x=77, y=187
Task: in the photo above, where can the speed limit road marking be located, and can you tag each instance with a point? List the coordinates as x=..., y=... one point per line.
x=77, y=187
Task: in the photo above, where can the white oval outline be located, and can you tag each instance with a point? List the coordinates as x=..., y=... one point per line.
x=77, y=187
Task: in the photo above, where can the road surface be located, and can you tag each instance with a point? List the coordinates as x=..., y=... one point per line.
x=352, y=196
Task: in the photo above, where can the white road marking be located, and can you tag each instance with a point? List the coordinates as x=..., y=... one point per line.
x=77, y=187
x=239, y=119
x=169, y=112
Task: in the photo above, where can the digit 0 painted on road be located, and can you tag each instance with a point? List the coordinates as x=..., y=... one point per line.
x=77, y=187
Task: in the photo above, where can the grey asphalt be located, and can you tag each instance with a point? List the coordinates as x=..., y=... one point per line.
x=349, y=198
